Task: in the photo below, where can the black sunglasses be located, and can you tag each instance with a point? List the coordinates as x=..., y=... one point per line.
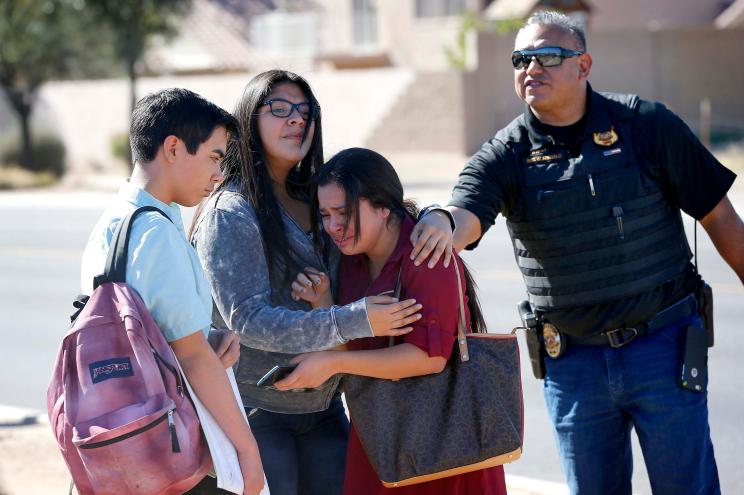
x=548, y=56
x=280, y=107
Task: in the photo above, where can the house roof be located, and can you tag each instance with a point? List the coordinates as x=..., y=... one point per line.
x=215, y=37
x=210, y=39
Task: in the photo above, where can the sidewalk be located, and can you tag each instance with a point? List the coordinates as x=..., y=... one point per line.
x=30, y=463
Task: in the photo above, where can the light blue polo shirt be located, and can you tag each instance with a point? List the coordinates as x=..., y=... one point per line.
x=161, y=265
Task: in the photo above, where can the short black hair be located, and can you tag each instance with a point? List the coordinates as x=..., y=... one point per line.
x=551, y=18
x=177, y=112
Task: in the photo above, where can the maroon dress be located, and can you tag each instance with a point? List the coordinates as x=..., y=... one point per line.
x=435, y=333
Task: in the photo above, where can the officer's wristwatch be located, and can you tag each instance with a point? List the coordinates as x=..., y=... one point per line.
x=435, y=207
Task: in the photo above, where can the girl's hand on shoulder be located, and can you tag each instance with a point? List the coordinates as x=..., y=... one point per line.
x=389, y=317
x=313, y=369
x=314, y=287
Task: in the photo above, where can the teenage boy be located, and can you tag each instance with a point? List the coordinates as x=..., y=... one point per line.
x=178, y=140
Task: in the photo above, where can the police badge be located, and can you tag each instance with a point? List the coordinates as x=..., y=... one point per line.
x=607, y=138
x=555, y=346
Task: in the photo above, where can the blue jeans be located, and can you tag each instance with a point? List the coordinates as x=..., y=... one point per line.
x=596, y=395
x=303, y=454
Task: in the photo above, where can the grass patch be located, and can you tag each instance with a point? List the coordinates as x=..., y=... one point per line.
x=19, y=178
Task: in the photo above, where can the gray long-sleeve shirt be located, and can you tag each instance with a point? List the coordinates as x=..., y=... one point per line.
x=272, y=326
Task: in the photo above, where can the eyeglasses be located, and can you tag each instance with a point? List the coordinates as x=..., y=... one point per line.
x=280, y=107
x=548, y=56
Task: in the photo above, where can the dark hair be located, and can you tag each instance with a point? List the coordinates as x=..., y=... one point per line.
x=551, y=18
x=174, y=112
x=363, y=173
x=245, y=163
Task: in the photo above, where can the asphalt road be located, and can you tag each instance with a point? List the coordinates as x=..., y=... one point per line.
x=42, y=237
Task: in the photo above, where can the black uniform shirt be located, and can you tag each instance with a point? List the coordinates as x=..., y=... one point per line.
x=692, y=179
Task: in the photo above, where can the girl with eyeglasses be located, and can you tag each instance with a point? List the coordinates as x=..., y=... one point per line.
x=253, y=236
x=360, y=202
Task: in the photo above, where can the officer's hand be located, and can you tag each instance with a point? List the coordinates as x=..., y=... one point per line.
x=433, y=236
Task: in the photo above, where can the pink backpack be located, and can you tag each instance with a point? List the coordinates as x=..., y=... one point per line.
x=117, y=402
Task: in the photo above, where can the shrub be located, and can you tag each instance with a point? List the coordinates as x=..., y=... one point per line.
x=120, y=147
x=48, y=155
x=19, y=178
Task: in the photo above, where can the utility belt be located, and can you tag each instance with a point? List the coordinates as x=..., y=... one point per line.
x=546, y=340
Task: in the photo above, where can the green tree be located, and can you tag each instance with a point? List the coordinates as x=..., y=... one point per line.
x=133, y=24
x=42, y=40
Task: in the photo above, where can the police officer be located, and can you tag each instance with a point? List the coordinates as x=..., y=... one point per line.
x=591, y=186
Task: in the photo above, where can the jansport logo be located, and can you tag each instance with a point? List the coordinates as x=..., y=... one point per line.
x=110, y=368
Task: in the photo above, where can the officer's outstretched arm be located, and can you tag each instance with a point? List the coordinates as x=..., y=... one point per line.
x=468, y=228
x=726, y=230
x=433, y=235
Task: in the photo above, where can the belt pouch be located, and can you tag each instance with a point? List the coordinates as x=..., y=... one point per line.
x=694, y=366
x=536, y=352
x=704, y=296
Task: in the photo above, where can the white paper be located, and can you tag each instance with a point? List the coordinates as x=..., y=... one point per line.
x=224, y=456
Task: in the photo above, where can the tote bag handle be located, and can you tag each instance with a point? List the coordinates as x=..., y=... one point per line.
x=462, y=341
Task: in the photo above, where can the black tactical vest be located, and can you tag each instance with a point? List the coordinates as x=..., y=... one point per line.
x=595, y=227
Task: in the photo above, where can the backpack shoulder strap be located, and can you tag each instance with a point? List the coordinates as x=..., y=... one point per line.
x=116, y=261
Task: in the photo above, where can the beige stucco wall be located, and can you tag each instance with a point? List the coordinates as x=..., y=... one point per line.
x=678, y=67
x=636, y=14
x=336, y=25
x=88, y=114
x=428, y=116
x=417, y=42
x=409, y=41
x=490, y=102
